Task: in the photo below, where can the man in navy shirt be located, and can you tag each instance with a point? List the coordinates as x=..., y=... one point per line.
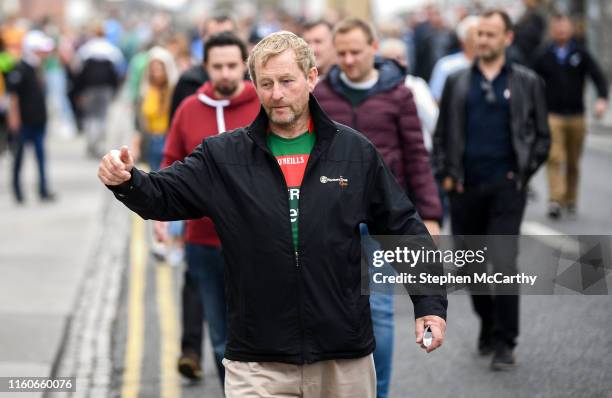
x=492, y=135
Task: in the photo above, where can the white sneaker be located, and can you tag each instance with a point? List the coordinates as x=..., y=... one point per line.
x=159, y=250
x=175, y=256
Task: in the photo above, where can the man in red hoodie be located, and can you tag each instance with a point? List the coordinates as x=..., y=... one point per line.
x=223, y=103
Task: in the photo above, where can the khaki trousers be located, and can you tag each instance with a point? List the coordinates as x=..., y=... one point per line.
x=341, y=378
x=567, y=138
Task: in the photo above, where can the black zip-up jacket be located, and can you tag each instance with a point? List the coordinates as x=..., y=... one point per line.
x=565, y=81
x=285, y=305
x=528, y=124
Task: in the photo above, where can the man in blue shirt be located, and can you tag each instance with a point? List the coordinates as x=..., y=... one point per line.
x=447, y=65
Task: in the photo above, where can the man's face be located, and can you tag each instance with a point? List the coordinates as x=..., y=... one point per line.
x=561, y=29
x=530, y=3
x=319, y=38
x=492, y=38
x=283, y=89
x=355, y=55
x=42, y=54
x=226, y=69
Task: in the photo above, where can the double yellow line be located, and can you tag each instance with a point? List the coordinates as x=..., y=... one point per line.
x=169, y=336
x=170, y=385
x=135, y=325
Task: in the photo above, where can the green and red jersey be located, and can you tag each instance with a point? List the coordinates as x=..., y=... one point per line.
x=292, y=157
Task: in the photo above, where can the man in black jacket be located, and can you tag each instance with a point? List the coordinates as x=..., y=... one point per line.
x=564, y=66
x=529, y=33
x=99, y=65
x=491, y=137
x=287, y=195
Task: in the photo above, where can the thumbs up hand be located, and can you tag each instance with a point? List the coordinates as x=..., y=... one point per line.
x=115, y=166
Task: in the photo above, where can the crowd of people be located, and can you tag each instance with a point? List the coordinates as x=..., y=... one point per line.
x=461, y=118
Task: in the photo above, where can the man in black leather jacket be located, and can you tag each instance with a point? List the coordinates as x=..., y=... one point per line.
x=492, y=136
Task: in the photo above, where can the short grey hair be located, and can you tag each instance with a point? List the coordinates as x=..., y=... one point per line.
x=467, y=23
x=276, y=43
x=393, y=44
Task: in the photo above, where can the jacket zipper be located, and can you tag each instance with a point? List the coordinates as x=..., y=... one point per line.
x=296, y=254
x=354, y=116
x=300, y=305
x=309, y=166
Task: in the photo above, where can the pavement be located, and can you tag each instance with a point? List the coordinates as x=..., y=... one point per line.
x=45, y=250
x=48, y=253
x=80, y=295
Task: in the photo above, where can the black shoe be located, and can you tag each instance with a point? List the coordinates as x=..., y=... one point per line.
x=189, y=366
x=503, y=359
x=485, y=340
x=48, y=197
x=554, y=210
x=485, y=348
x=571, y=211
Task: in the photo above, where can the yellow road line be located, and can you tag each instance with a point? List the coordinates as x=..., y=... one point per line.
x=169, y=336
x=135, y=324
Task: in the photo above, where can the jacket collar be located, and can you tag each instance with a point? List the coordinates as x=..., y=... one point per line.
x=506, y=67
x=324, y=127
x=390, y=75
x=571, y=45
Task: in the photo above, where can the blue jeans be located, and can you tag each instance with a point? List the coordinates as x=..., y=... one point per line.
x=381, y=307
x=205, y=267
x=156, y=150
x=36, y=136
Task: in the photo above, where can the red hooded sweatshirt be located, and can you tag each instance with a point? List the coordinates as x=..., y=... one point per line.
x=199, y=116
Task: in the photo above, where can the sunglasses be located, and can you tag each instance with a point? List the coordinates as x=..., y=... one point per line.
x=487, y=88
